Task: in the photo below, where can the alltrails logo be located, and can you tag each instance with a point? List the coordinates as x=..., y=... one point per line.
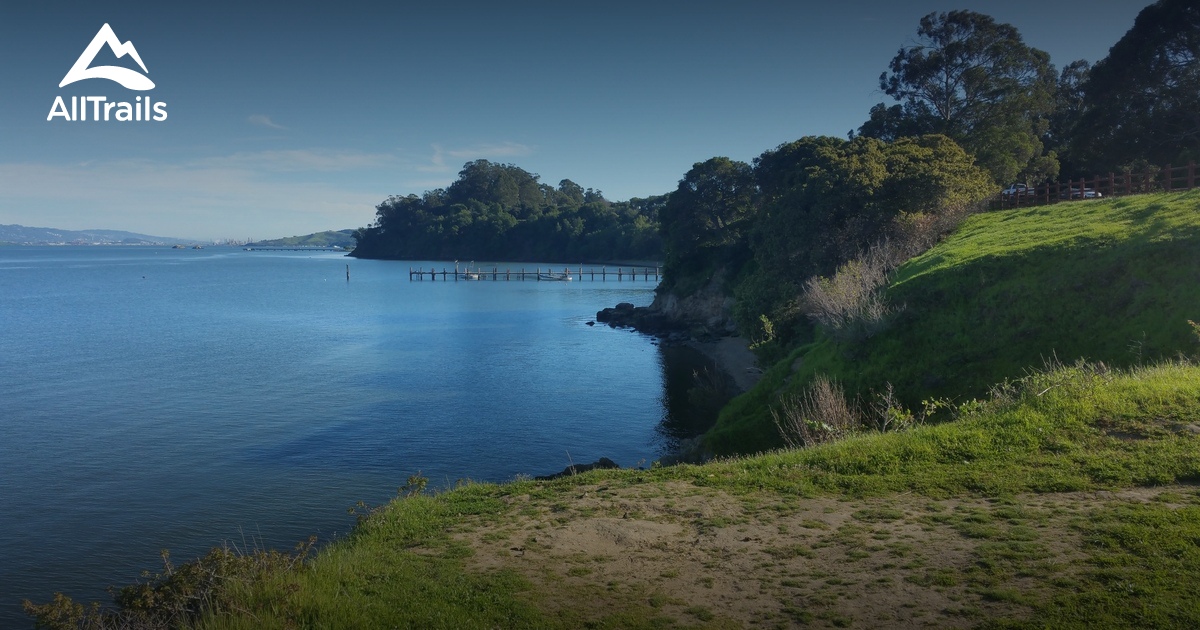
x=143, y=108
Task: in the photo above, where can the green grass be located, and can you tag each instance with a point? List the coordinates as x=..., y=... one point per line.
x=1112, y=281
x=1140, y=571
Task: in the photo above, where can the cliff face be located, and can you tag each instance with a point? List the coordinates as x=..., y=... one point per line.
x=710, y=307
x=703, y=314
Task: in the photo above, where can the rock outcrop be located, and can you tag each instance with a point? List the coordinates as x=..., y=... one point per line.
x=704, y=314
x=575, y=469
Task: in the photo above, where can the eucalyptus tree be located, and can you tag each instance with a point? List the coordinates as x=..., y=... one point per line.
x=975, y=80
x=1142, y=101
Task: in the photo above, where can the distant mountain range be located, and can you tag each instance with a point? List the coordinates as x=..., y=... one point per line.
x=328, y=238
x=21, y=235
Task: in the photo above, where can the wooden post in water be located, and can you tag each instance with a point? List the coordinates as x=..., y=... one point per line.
x=539, y=274
x=347, y=272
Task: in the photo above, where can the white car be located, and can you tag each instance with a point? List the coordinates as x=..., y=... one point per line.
x=1087, y=193
x=1016, y=190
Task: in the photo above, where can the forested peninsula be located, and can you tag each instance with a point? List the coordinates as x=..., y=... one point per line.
x=502, y=212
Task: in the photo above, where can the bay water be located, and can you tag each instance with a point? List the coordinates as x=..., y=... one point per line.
x=155, y=398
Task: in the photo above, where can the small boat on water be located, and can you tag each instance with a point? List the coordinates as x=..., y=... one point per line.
x=468, y=273
x=557, y=277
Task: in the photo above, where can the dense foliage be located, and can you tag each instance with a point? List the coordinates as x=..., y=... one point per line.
x=502, y=212
x=1142, y=102
x=975, y=80
x=803, y=209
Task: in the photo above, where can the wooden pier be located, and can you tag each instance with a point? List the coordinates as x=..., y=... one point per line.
x=549, y=274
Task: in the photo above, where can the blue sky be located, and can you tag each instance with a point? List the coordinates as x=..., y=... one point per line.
x=289, y=118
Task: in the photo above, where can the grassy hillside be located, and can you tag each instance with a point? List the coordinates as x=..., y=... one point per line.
x=1112, y=281
x=328, y=238
x=1069, y=501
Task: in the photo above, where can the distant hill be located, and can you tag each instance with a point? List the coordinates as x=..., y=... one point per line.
x=328, y=238
x=22, y=235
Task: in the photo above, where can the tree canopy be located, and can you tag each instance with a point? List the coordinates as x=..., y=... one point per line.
x=1142, y=102
x=972, y=79
x=804, y=208
x=502, y=212
x=707, y=213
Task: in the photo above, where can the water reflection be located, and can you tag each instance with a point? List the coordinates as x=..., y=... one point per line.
x=694, y=390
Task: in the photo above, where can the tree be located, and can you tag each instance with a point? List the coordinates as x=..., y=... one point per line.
x=825, y=200
x=1068, y=107
x=708, y=209
x=570, y=192
x=500, y=211
x=974, y=80
x=1142, y=101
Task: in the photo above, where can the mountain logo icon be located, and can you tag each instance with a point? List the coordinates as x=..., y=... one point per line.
x=128, y=78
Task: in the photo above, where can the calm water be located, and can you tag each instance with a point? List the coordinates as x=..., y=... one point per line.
x=156, y=398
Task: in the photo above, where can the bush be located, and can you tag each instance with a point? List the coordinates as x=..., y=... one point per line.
x=850, y=305
x=177, y=596
x=820, y=415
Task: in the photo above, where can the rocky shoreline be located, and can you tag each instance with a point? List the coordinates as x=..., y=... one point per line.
x=730, y=352
x=701, y=322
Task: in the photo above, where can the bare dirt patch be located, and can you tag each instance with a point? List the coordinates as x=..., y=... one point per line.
x=702, y=556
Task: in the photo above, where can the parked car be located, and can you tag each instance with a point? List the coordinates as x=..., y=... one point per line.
x=1016, y=190
x=1074, y=193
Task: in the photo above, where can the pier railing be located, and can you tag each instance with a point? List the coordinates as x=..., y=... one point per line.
x=601, y=274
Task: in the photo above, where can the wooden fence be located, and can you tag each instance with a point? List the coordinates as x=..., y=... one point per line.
x=1163, y=179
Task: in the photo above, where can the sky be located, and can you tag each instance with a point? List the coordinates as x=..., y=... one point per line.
x=286, y=118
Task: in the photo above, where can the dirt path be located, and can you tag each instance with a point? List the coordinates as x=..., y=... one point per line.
x=678, y=553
